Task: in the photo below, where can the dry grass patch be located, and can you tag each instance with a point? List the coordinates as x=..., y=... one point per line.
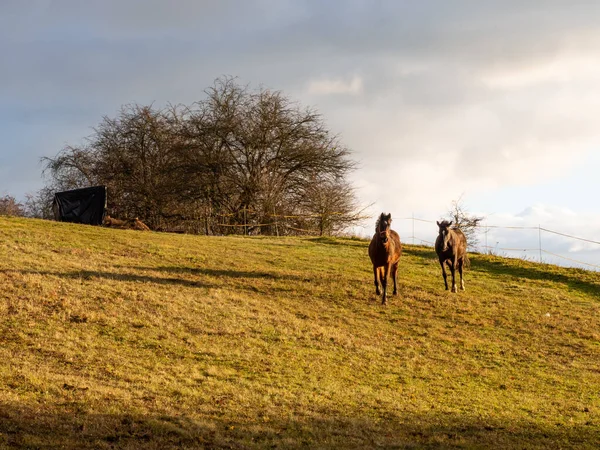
x=122, y=339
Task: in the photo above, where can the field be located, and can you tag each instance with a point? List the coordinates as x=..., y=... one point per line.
x=127, y=339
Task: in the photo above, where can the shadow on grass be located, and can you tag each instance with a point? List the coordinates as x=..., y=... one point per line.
x=129, y=277
x=347, y=242
x=426, y=253
x=228, y=278
x=227, y=273
x=586, y=282
x=26, y=428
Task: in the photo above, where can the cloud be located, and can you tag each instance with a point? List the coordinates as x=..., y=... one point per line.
x=327, y=86
x=565, y=236
x=435, y=98
x=558, y=70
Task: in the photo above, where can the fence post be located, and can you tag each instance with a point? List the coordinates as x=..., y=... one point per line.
x=487, y=250
x=245, y=224
x=540, y=240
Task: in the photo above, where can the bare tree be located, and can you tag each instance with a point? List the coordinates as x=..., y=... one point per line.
x=71, y=168
x=231, y=162
x=465, y=221
x=9, y=206
x=130, y=155
x=330, y=207
x=133, y=159
x=253, y=149
x=39, y=204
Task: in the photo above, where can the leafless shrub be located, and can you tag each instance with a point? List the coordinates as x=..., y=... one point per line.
x=237, y=161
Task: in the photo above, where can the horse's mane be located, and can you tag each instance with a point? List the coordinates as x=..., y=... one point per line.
x=381, y=216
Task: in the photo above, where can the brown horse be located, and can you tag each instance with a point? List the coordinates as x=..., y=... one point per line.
x=451, y=248
x=385, y=251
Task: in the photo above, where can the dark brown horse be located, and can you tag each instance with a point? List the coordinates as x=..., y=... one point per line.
x=385, y=251
x=451, y=248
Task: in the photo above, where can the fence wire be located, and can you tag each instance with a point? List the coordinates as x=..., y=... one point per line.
x=571, y=259
x=540, y=250
x=569, y=236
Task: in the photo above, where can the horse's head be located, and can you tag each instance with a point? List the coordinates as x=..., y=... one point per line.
x=382, y=228
x=444, y=232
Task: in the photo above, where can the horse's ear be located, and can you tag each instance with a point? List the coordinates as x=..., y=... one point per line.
x=389, y=216
x=438, y=224
x=450, y=224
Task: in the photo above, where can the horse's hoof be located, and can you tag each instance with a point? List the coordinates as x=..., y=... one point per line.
x=377, y=292
x=384, y=303
x=454, y=289
x=395, y=293
x=462, y=288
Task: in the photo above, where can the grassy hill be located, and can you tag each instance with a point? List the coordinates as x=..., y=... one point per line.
x=125, y=339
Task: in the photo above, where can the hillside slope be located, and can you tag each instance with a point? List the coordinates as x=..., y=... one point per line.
x=125, y=339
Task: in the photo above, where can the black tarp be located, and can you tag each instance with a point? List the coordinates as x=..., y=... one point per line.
x=87, y=205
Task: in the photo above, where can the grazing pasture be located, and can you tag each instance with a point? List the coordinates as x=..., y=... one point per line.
x=123, y=339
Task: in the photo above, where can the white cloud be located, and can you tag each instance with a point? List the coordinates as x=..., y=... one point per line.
x=562, y=231
x=563, y=68
x=329, y=86
x=517, y=235
x=436, y=99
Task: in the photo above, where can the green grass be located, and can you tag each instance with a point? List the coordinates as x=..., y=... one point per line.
x=125, y=339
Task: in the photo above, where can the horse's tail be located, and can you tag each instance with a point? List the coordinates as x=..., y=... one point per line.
x=466, y=261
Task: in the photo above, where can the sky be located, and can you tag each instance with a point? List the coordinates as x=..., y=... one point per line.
x=494, y=102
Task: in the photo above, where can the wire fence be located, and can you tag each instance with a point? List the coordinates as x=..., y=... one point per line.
x=248, y=221
x=536, y=249
x=530, y=252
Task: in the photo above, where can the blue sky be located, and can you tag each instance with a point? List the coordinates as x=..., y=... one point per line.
x=496, y=101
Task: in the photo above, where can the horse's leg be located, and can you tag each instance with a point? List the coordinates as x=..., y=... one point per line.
x=384, y=278
x=461, y=262
x=395, y=277
x=375, y=275
x=444, y=273
x=452, y=271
